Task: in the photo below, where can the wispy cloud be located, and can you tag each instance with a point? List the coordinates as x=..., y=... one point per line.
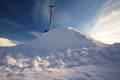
x=106, y=26
x=108, y=7
x=7, y=42
x=36, y=34
x=45, y=7
x=36, y=10
x=41, y=9
x=64, y=19
x=10, y=22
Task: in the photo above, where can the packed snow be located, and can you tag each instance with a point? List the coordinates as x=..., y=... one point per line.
x=61, y=54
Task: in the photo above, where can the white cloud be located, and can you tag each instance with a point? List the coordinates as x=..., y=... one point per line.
x=7, y=42
x=107, y=25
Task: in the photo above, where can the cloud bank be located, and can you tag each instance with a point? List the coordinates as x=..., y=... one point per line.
x=107, y=23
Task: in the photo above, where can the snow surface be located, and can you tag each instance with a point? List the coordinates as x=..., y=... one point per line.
x=61, y=54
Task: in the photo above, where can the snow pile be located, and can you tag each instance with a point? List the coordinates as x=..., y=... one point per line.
x=62, y=38
x=61, y=54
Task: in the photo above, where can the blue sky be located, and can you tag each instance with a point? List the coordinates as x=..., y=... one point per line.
x=23, y=20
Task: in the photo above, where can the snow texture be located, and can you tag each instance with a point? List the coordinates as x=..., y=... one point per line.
x=61, y=54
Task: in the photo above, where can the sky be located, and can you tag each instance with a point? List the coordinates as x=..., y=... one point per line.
x=22, y=21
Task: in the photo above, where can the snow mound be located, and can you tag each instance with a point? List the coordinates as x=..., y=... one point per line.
x=63, y=38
